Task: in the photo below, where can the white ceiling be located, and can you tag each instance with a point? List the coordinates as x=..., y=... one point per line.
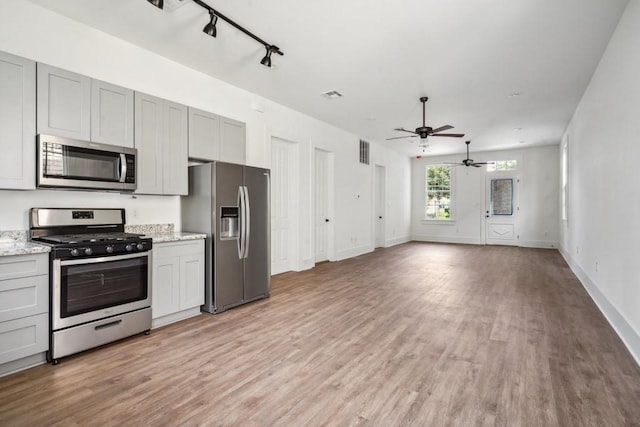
x=467, y=56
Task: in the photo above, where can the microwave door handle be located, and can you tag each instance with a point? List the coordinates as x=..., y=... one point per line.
x=123, y=168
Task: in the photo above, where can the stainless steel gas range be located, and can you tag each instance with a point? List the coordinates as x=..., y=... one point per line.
x=100, y=277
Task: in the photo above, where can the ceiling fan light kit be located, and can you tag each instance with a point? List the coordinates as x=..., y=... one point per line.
x=211, y=30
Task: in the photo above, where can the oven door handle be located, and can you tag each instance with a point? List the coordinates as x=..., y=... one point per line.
x=104, y=259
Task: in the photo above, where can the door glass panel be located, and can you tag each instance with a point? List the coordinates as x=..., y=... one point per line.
x=89, y=287
x=502, y=196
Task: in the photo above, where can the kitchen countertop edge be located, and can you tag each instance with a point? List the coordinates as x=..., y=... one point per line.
x=174, y=236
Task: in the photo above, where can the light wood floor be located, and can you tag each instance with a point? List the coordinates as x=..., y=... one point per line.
x=418, y=334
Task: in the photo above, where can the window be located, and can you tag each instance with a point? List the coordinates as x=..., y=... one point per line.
x=502, y=165
x=502, y=196
x=439, y=193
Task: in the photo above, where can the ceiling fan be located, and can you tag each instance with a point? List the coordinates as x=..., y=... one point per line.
x=424, y=131
x=468, y=161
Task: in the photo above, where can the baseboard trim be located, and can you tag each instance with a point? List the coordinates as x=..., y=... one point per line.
x=448, y=239
x=353, y=252
x=396, y=241
x=629, y=336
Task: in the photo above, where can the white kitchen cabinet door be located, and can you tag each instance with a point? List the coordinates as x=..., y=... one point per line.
x=148, y=141
x=111, y=114
x=233, y=140
x=17, y=122
x=192, y=280
x=63, y=103
x=175, y=145
x=165, y=297
x=204, y=135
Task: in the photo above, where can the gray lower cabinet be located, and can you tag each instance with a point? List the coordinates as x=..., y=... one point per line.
x=161, y=139
x=17, y=122
x=24, y=307
x=64, y=103
x=177, y=280
x=233, y=139
x=204, y=135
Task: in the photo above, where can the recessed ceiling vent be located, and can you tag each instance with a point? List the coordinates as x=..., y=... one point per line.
x=172, y=5
x=332, y=94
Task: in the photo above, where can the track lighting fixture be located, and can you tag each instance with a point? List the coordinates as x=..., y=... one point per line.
x=266, y=61
x=210, y=28
x=157, y=3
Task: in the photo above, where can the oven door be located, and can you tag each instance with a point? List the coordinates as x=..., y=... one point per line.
x=84, y=290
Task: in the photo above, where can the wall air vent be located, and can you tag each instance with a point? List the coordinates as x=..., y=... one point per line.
x=332, y=94
x=364, y=152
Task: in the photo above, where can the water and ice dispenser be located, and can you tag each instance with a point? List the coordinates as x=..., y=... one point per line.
x=229, y=229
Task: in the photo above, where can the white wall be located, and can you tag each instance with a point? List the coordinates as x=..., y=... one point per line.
x=538, y=198
x=601, y=239
x=33, y=32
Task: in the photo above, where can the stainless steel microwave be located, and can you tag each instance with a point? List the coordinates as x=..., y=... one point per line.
x=70, y=163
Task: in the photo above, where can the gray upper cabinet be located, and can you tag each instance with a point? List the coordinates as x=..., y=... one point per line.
x=64, y=103
x=204, y=135
x=17, y=122
x=161, y=140
x=111, y=114
x=233, y=139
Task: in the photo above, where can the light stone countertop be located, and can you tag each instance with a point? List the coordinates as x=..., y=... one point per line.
x=161, y=233
x=16, y=243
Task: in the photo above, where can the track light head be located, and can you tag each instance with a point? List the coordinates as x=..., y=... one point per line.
x=210, y=28
x=266, y=61
x=157, y=3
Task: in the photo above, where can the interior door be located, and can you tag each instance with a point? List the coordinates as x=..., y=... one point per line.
x=380, y=207
x=283, y=205
x=501, y=209
x=322, y=219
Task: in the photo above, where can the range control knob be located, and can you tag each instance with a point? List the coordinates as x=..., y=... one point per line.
x=88, y=251
x=109, y=249
x=128, y=248
x=74, y=252
x=140, y=246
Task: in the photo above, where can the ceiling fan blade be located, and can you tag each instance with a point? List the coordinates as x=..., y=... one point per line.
x=452, y=135
x=401, y=137
x=442, y=129
x=405, y=130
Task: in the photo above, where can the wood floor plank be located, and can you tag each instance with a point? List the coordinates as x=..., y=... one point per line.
x=413, y=335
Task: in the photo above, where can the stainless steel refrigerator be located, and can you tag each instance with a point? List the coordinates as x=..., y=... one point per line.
x=230, y=203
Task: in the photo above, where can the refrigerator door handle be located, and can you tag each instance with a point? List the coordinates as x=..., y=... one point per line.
x=247, y=221
x=242, y=223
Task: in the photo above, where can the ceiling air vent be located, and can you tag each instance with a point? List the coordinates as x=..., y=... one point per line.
x=332, y=94
x=364, y=152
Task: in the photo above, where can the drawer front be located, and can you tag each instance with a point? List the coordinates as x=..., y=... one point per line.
x=23, y=297
x=13, y=267
x=171, y=249
x=24, y=337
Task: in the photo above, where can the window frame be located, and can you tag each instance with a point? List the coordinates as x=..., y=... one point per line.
x=452, y=186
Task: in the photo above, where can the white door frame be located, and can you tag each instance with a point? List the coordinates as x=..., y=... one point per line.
x=504, y=229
